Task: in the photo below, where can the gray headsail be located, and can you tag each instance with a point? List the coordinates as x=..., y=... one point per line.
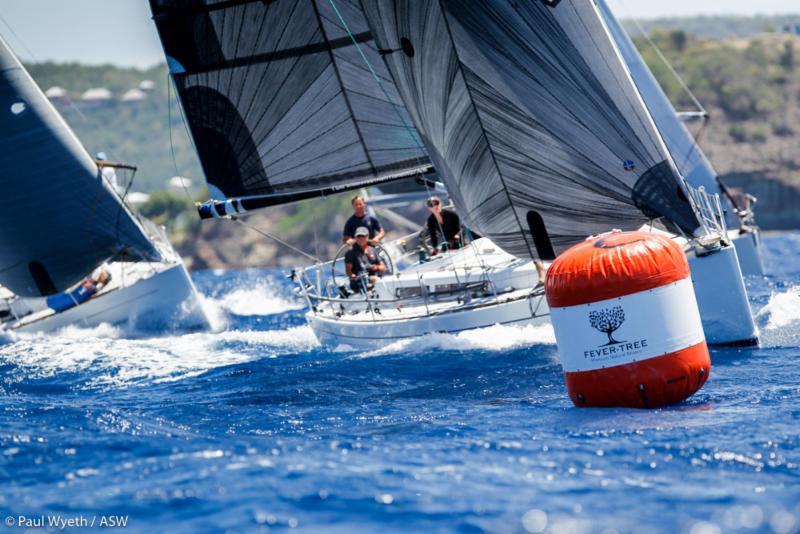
x=279, y=101
x=59, y=220
x=687, y=155
x=529, y=115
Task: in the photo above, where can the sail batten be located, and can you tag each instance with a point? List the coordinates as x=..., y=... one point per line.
x=60, y=219
x=277, y=98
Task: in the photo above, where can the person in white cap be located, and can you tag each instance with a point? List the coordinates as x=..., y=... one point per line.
x=362, y=263
x=108, y=174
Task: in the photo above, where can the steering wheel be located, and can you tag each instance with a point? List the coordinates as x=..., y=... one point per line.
x=382, y=254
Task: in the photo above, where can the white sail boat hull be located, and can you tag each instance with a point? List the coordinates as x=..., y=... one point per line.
x=475, y=287
x=164, y=298
x=332, y=331
x=748, y=250
x=722, y=298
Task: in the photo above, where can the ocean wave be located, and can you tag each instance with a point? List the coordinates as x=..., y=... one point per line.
x=779, y=320
x=495, y=338
x=261, y=299
x=106, y=358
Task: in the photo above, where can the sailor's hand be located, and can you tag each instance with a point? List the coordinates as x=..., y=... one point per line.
x=374, y=241
x=351, y=241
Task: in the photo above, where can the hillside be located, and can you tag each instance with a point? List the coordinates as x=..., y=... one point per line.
x=750, y=86
x=715, y=27
x=134, y=132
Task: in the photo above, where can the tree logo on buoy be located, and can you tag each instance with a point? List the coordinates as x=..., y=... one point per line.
x=608, y=320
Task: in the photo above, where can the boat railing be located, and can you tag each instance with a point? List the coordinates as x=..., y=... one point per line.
x=711, y=216
x=319, y=285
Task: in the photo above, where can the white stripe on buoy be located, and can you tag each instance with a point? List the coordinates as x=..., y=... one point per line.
x=627, y=329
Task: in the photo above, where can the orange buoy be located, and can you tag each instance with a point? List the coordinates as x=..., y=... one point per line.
x=626, y=321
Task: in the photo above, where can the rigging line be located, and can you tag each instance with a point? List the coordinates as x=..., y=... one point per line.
x=123, y=205
x=345, y=96
x=394, y=106
x=314, y=224
x=669, y=66
x=375, y=76
x=172, y=144
x=275, y=238
x=19, y=39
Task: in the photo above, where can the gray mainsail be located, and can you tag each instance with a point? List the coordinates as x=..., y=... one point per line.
x=529, y=115
x=60, y=220
x=279, y=101
x=687, y=155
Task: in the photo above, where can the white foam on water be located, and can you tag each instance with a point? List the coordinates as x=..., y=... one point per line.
x=113, y=361
x=495, y=338
x=101, y=331
x=779, y=320
x=213, y=311
x=7, y=337
x=261, y=299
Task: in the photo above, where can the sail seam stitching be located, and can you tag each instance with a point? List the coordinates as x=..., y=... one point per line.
x=483, y=130
x=344, y=90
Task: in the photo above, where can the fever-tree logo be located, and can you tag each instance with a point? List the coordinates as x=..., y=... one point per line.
x=607, y=321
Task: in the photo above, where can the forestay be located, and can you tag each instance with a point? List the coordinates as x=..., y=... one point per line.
x=687, y=155
x=531, y=118
x=280, y=102
x=60, y=220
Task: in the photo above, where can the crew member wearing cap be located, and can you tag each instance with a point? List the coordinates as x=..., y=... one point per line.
x=106, y=172
x=445, y=223
x=361, y=218
x=363, y=260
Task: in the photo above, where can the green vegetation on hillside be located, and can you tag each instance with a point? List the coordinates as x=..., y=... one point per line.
x=751, y=88
x=136, y=133
x=714, y=27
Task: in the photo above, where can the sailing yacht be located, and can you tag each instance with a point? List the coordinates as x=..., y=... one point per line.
x=71, y=253
x=687, y=155
x=527, y=112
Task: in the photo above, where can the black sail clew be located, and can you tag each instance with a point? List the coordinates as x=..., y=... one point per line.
x=687, y=155
x=59, y=220
x=279, y=101
x=531, y=118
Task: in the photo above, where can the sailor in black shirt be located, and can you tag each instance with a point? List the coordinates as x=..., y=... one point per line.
x=362, y=263
x=360, y=218
x=443, y=222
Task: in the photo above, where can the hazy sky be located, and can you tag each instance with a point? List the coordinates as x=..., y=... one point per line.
x=121, y=32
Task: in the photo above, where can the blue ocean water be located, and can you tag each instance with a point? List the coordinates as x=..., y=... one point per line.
x=256, y=426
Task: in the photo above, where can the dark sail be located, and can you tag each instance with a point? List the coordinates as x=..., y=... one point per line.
x=687, y=155
x=531, y=118
x=59, y=220
x=279, y=101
